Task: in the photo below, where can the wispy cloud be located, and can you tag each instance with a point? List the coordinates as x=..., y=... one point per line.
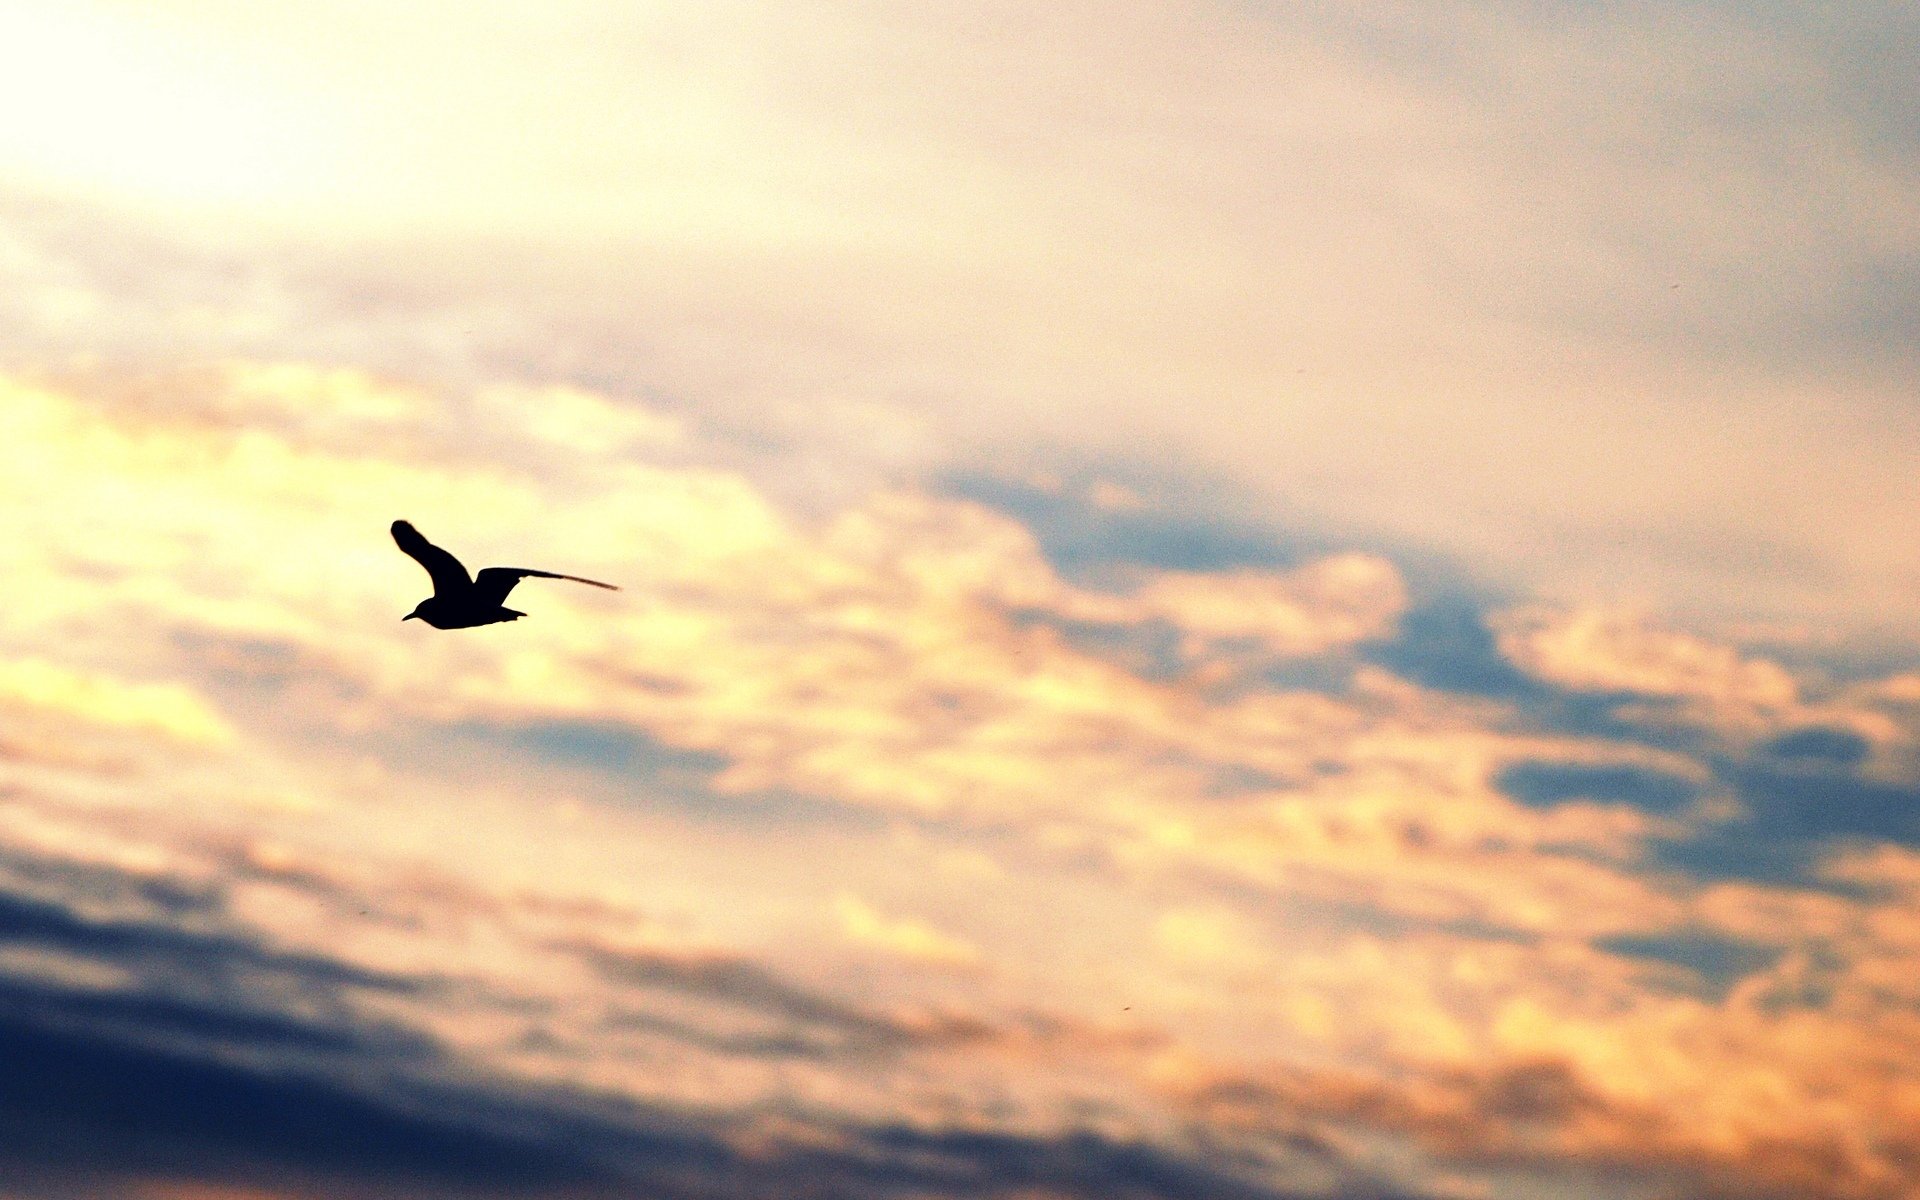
x=1493, y=281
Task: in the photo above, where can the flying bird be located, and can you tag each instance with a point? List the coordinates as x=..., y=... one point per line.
x=459, y=602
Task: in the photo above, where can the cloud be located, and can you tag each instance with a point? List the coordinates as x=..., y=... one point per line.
x=1194, y=596
x=111, y=1087
x=1531, y=1111
x=69, y=1099
x=697, y=861
x=1331, y=603
x=901, y=935
x=884, y=247
x=1616, y=653
x=166, y=708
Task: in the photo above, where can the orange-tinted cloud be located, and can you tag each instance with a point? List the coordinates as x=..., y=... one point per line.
x=719, y=840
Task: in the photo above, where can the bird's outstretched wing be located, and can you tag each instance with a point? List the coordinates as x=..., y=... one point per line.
x=449, y=577
x=492, y=585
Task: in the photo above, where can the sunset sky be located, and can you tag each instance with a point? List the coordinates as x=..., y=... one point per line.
x=1220, y=600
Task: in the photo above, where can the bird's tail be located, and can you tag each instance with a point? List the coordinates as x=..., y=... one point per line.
x=577, y=579
x=519, y=573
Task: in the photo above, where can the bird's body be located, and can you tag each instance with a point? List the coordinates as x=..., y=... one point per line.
x=459, y=602
x=453, y=614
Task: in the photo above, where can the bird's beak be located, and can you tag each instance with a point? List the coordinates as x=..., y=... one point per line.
x=409, y=616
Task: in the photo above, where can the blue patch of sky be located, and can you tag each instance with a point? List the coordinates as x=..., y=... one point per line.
x=1445, y=644
x=1841, y=747
x=1085, y=541
x=1184, y=522
x=1713, y=964
x=1738, y=851
x=1799, y=791
x=1811, y=800
x=1444, y=641
x=1824, y=665
x=1796, y=811
x=1543, y=783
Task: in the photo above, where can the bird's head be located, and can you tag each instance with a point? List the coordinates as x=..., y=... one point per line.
x=415, y=613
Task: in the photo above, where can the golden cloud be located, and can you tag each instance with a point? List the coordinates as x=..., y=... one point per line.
x=168, y=708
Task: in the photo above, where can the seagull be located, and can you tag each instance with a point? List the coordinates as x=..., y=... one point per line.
x=457, y=601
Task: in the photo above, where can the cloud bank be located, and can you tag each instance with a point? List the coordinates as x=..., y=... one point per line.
x=733, y=877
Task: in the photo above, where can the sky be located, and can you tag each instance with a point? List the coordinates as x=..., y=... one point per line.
x=1218, y=600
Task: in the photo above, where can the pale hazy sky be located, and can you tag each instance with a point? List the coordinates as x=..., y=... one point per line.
x=1611, y=302
x=1225, y=599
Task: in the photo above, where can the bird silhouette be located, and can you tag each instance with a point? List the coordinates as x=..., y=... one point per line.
x=459, y=602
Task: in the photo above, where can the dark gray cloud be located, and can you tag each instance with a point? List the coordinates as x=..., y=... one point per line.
x=80, y=1105
x=81, y=1099
x=158, y=947
x=798, y=1021
x=214, y=1058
